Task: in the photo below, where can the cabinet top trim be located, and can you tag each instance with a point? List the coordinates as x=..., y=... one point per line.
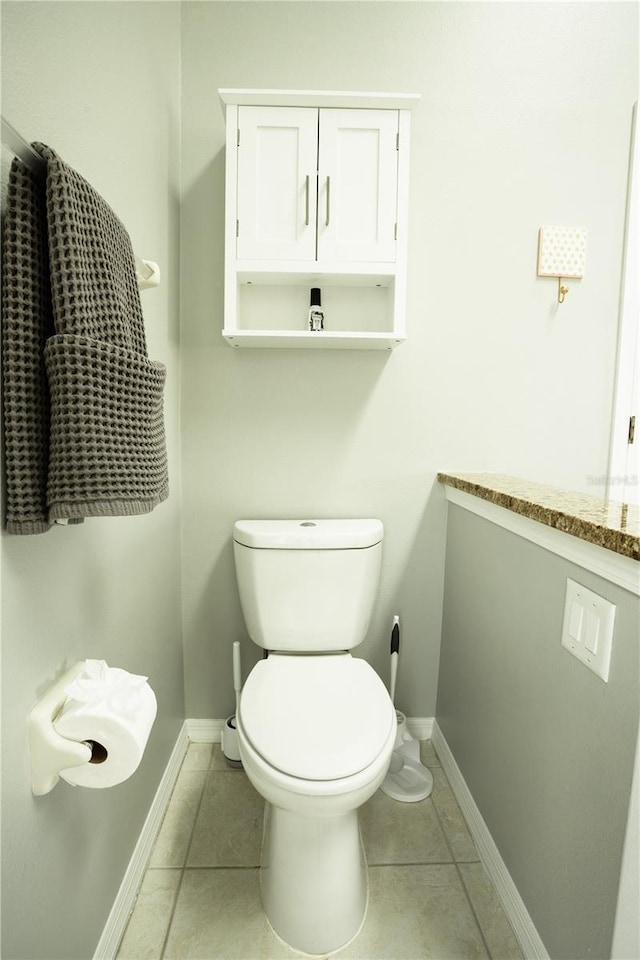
x=318, y=98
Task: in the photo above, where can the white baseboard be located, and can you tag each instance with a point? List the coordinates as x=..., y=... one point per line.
x=123, y=904
x=205, y=731
x=513, y=904
x=210, y=731
x=420, y=727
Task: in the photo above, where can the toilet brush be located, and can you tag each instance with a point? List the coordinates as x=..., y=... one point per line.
x=407, y=779
x=230, y=747
x=237, y=672
x=395, y=651
x=401, y=720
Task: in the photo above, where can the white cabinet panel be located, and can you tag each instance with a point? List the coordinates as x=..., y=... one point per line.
x=294, y=163
x=357, y=184
x=276, y=203
x=316, y=197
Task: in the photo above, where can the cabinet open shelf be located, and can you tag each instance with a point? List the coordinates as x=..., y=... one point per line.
x=359, y=310
x=320, y=340
x=312, y=273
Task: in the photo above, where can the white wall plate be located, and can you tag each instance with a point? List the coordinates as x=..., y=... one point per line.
x=587, y=629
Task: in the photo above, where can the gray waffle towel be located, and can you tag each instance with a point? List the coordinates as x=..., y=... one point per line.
x=27, y=322
x=93, y=444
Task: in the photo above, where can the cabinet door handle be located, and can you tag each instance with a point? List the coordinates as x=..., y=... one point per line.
x=326, y=222
x=306, y=202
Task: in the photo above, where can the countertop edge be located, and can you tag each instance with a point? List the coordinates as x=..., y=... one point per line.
x=584, y=528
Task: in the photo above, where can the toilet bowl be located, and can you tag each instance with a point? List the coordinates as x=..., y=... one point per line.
x=313, y=871
x=316, y=726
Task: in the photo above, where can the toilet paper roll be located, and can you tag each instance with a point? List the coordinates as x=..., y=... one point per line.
x=113, y=711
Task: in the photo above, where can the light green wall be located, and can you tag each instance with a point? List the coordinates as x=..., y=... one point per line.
x=545, y=747
x=524, y=121
x=99, y=82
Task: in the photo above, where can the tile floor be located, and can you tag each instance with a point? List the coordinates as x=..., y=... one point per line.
x=429, y=896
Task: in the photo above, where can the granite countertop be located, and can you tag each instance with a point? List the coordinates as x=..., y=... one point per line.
x=607, y=523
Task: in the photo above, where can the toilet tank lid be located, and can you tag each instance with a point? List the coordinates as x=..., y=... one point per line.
x=308, y=534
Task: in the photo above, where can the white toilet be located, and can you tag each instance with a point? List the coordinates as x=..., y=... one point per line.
x=316, y=726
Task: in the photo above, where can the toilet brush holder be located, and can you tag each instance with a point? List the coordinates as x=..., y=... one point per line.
x=407, y=779
x=402, y=733
x=230, y=748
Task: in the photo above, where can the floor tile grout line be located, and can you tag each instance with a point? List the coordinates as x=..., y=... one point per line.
x=414, y=863
x=446, y=836
x=172, y=914
x=186, y=857
x=390, y=863
x=440, y=824
x=459, y=872
x=223, y=866
x=207, y=774
x=474, y=912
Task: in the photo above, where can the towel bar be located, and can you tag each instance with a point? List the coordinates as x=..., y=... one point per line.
x=147, y=272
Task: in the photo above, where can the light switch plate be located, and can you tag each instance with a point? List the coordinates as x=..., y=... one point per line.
x=587, y=629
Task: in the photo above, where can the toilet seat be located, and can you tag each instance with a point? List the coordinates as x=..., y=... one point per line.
x=316, y=717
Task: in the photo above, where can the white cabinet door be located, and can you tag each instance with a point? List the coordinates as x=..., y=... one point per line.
x=317, y=184
x=357, y=185
x=277, y=183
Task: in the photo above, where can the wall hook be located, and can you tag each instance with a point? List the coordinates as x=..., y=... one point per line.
x=562, y=291
x=561, y=253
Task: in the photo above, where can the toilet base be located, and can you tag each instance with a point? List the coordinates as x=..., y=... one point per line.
x=313, y=879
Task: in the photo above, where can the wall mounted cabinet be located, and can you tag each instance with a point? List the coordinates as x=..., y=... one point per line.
x=316, y=196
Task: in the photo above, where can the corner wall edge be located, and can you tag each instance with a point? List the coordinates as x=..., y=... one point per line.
x=513, y=904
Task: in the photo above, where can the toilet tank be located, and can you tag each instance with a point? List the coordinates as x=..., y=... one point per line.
x=307, y=585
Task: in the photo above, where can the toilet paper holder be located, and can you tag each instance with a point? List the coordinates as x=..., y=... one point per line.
x=50, y=753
